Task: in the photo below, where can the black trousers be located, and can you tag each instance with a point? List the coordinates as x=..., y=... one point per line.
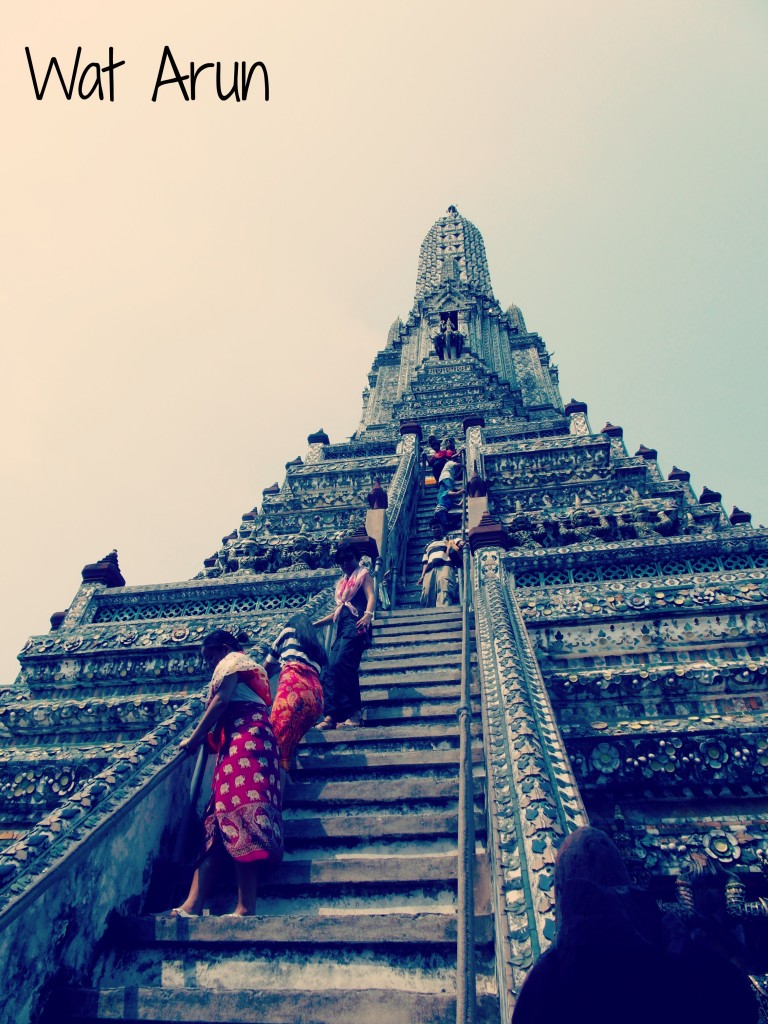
x=340, y=678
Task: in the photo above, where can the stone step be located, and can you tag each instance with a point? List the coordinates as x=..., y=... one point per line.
x=346, y=899
x=386, y=866
x=404, y=737
x=319, y=929
x=423, y=661
x=409, y=694
x=413, y=637
x=408, y=678
x=445, y=648
x=415, y=630
x=376, y=825
x=415, y=633
x=426, y=711
x=416, y=624
x=427, y=614
x=355, y=762
x=397, y=706
x=405, y=705
x=440, y=654
x=278, y=1006
x=438, y=645
x=406, y=789
x=446, y=654
x=417, y=687
x=278, y=966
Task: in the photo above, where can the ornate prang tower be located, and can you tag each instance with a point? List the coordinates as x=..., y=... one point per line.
x=619, y=676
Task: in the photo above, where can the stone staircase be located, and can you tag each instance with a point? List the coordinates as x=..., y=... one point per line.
x=359, y=922
x=410, y=594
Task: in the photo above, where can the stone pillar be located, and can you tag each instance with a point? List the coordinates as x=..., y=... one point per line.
x=316, y=450
x=616, y=434
x=97, y=576
x=477, y=508
x=577, y=412
x=408, y=427
x=409, y=453
x=473, y=440
x=376, y=527
x=533, y=797
x=462, y=325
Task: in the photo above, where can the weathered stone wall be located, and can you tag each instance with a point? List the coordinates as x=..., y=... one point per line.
x=54, y=929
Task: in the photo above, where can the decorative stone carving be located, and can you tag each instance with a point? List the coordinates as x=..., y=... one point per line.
x=533, y=793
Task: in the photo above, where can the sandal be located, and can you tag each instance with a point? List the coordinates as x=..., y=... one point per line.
x=180, y=912
x=327, y=723
x=351, y=723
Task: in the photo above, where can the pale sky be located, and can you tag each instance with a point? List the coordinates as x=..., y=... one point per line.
x=187, y=290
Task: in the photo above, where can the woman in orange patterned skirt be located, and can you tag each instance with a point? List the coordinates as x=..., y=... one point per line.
x=298, y=703
x=243, y=816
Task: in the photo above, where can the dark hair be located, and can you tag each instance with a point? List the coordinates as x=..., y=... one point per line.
x=307, y=638
x=222, y=638
x=346, y=547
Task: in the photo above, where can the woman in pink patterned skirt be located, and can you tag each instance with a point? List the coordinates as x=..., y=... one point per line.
x=243, y=816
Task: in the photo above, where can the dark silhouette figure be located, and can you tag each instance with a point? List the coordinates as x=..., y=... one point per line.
x=377, y=496
x=609, y=962
x=476, y=486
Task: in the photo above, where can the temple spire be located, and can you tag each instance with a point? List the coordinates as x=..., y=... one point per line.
x=453, y=249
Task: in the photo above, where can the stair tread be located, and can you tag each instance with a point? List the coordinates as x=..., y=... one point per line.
x=275, y=1006
x=375, y=733
x=350, y=926
x=415, y=787
x=344, y=760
